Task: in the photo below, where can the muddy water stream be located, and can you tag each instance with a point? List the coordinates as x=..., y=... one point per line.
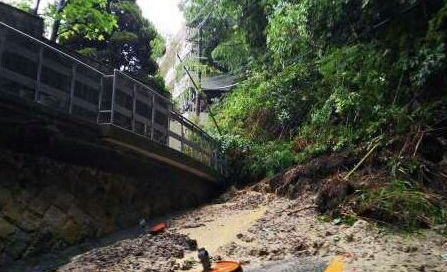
x=214, y=233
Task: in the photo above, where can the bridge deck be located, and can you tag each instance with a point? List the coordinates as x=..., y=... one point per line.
x=31, y=128
x=35, y=71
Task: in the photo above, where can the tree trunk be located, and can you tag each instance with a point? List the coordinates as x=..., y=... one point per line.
x=109, y=6
x=57, y=20
x=36, y=7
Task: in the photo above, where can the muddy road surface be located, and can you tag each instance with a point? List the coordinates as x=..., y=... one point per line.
x=264, y=233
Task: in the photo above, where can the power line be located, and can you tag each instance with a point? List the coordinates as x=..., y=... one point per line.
x=201, y=11
x=241, y=19
x=201, y=93
x=199, y=26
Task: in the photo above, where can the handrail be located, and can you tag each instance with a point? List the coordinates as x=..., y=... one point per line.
x=143, y=85
x=155, y=125
x=176, y=114
x=51, y=47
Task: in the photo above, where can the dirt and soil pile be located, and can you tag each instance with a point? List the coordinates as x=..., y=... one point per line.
x=267, y=233
x=379, y=187
x=147, y=253
x=293, y=230
x=292, y=233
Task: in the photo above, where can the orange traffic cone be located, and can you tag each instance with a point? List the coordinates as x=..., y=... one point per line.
x=226, y=266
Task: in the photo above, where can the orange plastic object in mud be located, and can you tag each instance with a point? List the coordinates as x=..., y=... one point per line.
x=158, y=228
x=226, y=266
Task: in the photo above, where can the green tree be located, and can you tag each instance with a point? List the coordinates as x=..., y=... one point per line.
x=233, y=31
x=132, y=46
x=86, y=18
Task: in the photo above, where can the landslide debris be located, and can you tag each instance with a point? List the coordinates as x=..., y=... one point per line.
x=292, y=233
x=147, y=253
x=288, y=233
x=412, y=198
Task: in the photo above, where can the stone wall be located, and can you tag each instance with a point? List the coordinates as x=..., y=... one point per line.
x=46, y=205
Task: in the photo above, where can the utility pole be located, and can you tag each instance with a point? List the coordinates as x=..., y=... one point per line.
x=201, y=93
x=198, y=100
x=36, y=7
x=57, y=21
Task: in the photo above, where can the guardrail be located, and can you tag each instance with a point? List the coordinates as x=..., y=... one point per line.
x=35, y=70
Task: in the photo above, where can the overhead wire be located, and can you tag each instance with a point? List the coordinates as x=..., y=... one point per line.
x=201, y=93
x=242, y=19
x=201, y=11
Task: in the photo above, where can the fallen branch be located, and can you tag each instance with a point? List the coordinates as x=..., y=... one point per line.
x=418, y=144
x=362, y=161
x=192, y=226
x=398, y=88
x=303, y=209
x=282, y=187
x=442, y=174
x=376, y=220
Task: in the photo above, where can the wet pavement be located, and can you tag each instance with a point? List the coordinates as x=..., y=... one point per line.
x=297, y=265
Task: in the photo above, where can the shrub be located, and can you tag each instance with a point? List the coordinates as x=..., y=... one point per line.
x=401, y=203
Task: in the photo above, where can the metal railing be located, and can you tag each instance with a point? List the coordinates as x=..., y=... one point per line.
x=37, y=71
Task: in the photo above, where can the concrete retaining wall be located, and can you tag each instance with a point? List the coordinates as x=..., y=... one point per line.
x=62, y=183
x=46, y=205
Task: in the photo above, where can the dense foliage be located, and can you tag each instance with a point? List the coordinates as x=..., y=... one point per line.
x=86, y=18
x=323, y=76
x=317, y=77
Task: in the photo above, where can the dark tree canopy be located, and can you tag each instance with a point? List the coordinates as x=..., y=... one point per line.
x=322, y=76
x=131, y=47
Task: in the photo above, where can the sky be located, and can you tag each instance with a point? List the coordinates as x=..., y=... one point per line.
x=164, y=14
